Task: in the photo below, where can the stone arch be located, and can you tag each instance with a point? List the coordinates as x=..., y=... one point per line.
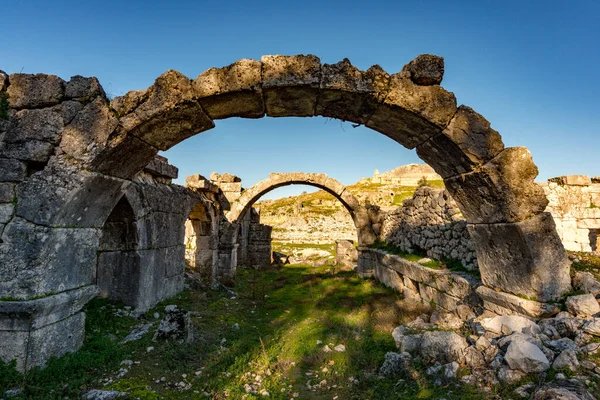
x=103, y=145
x=118, y=263
x=201, y=240
x=358, y=212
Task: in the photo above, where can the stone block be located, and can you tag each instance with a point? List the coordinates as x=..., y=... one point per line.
x=366, y=262
x=37, y=260
x=35, y=91
x=66, y=195
x=426, y=69
x=44, y=124
x=6, y=212
x=230, y=187
x=7, y=192
x=349, y=94
x=21, y=315
x=515, y=304
x=468, y=141
x=198, y=182
x=411, y=114
x=89, y=131
x=232, y=91
x=161, y=229
x=34, y=348
x=572, y=180
x=439, y=299
x=161, y=167
x=523, y=258
x=32, y=150
x=12, y=170
x=167, y=112
x=123, y=157
x=389, y=277
x=503, y=190
x=291, y=85
x=83, y=88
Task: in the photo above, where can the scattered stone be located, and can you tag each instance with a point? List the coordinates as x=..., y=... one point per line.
x=526, y=357
x=340, y=348
x=442, y=346
x=175, y=325
x=592, y=327
x=510, y=376
x=583, y=305
x=562, y=344
x=514, y=323
x=137, y=333
x=585, y=282
x=446, y=320
x=450, y=370
x=103, y=394
x=566, y=360
x=395, y=364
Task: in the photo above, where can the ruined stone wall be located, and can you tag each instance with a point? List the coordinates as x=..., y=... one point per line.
x=259, y=245
x=574, y=202
x=430, y=222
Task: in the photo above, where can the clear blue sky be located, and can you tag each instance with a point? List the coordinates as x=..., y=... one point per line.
x=530, y=67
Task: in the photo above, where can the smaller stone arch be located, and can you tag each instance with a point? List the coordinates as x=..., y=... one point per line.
x=358, y=212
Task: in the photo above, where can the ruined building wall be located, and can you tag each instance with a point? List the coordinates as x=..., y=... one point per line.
x=430, y=222
x=574, y=202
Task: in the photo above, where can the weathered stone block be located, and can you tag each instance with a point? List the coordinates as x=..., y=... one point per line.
x=389, y=277
x=232, y=91
x=44, y=124
x=426, y=69
x=468, y=141
x=523, y=258
x=35, y=91
x=572, y=180
x=123, y=157
x=437, y=298
x=21, y=315
x=198, y=182
x=34, y=348
x=12, y=170
x=7, y=192
x=350, y=94
x=291, y=85
x=166, y=113
x=83, y=88
x=160, y=166
x=89, y=131
x=65, y=195
x=6, y=212
x=231, y=187
x=503, y=190
x=411, y=114
x=32, y=150
x=36, y=260
x=515, y=304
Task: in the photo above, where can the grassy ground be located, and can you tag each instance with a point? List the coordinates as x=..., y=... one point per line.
x=269, y=335
x=587, y=262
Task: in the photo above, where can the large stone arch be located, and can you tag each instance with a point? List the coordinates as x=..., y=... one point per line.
x=105, y=144
x=67, y=155
x=276, y=180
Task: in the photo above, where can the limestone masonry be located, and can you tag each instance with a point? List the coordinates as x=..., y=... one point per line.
x=86, y=206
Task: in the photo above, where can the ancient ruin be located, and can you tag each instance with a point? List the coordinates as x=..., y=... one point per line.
x=82, y=193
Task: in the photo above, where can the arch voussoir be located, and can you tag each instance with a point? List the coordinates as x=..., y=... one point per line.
x=350, y=94
x=232, y=91
x=290, y=85
x=166, y=113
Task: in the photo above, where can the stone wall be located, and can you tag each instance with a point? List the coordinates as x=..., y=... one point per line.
x=441, y=288
x=259, y=245
x=430, y=222
x=574, y=202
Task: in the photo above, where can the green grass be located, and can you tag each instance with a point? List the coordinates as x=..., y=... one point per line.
x=415, y=256
x=587, y=262
x=280, y=313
